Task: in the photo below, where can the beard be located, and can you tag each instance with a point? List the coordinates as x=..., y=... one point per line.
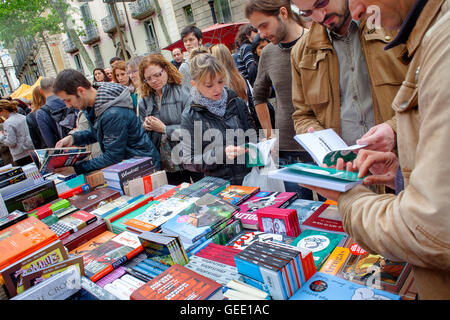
x=281, y=33
x=342, y=20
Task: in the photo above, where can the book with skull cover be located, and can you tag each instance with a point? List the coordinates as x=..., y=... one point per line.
x=321, y=244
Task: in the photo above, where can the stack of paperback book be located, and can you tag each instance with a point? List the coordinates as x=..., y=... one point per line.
x=163, y=248
x=279, y=221
x=281, y=268
x=118, y=175
x=262, y=199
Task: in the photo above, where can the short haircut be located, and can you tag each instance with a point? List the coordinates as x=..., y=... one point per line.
x=47, y=83
x=181, y=51
x=191, y=29
x=69, y=80
x=114, y=59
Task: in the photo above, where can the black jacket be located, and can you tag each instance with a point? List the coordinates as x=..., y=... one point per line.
x=211, y=158
x=35, y=133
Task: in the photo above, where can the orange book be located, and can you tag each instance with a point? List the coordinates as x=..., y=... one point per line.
x=334, y=203
x=22, y=239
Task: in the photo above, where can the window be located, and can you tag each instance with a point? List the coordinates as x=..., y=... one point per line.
x=78, y=64
x=223, y=11
x=152, y=40
x=86, y=14
x=188, y=14
x=98, y=57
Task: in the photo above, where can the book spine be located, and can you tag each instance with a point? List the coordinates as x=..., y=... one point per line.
x=13, y=180
x=11, y=173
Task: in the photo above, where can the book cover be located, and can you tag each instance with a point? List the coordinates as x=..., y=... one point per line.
x=279, y=221
x=23, y=238
x=59, y=287
x=325, y=218
x=169, y=193
x=95, y=290
x=12, y=218
x=154, y=216
x=309, y=174
x=119, y=225
x=35, y=277
x=47, y=160
x=321, y=244
x=11, y=173
x=325, y=147
x=245, y=238
x=72, y=223
x=211, y=185
x=236, y=195
x=13, y=180
x=84, y=235
x=199, y=218
x=230, y=231
x=323, y=286
x=42, y=258
x=104, y=210
x=163, y=248
x=111, y=254
x=304, y=209
x=335, y=261
x=373, y=270
x=125, y=168
x=94, y=199
x=179, y=283
x=262, y=199
x=31, y=198
x=93, y=243
x=217, y=271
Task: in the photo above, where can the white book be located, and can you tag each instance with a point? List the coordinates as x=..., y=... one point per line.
x=246, y=289
x=326, y=146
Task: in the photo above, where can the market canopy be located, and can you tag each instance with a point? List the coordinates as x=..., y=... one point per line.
x=20, y=90
x=217, y=33
x=27, y=93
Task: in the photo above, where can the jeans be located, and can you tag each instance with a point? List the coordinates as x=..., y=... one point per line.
x=290, y=157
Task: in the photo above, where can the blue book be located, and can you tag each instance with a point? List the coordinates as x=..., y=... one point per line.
x=199, y=218
x=305, y=208
x=322, y=286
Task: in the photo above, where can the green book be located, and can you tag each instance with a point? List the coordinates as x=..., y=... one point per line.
x=119, y=225
x=320, y=243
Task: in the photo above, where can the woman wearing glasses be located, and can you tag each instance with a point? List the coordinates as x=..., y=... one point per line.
x=160, y=107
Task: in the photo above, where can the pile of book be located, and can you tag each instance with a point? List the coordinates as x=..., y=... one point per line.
x=124, y=233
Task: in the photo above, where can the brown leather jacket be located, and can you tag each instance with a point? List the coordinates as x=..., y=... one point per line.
x=415, y=225
x=315, y=78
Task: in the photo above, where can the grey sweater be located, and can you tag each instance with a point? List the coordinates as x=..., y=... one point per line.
x=275, y=69
x=17, y=136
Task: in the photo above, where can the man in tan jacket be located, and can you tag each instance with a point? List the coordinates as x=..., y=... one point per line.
x=342, y=78
x=413, y=226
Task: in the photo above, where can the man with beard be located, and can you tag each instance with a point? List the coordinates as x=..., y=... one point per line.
x=276, y=21
x=343, y=78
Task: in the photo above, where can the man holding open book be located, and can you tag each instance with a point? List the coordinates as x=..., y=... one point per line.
x=113, y=123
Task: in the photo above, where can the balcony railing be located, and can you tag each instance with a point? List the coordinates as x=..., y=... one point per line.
x=153, y=46
x=141, y=9
x=109, y=24
x=69, y=46
x=92, y=34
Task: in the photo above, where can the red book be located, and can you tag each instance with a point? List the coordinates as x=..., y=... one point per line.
x=325, y=218
x=179, y=283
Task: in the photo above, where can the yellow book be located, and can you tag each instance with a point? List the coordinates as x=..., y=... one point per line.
x=335, y=261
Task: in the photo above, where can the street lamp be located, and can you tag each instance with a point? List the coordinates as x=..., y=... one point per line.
x=213, y=12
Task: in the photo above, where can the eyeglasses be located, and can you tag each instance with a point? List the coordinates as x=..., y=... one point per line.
x=154, y=77
x=131, y=72
x=318, y=5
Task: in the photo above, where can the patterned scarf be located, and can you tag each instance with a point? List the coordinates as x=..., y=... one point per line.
x=217, y=107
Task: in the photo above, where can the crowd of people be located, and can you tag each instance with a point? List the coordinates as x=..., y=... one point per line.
x=382, y=86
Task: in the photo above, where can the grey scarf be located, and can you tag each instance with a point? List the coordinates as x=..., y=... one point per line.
x=217, y=107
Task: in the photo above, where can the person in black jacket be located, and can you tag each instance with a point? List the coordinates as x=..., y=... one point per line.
x=222, y=119
x=38, y=101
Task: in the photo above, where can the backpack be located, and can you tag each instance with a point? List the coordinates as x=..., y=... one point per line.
x=65, y=119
